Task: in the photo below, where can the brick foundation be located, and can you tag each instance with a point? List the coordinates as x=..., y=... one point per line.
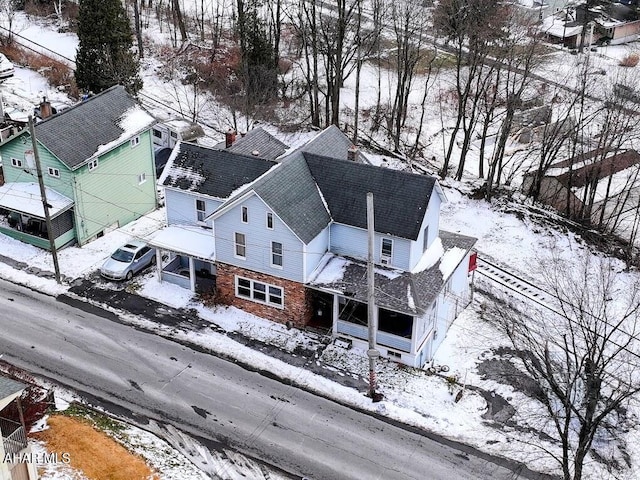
x=297, y=302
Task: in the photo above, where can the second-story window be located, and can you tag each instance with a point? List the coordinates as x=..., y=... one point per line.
x=245, y=215
x=276, y=254
x=93, y=164
x=425, y=241
x=142, y=177
x=387, y=251
x=240, y=245
x=200, y=210
x=270, y=220
x=135, y=141
x=53, y=172
x=16, y=162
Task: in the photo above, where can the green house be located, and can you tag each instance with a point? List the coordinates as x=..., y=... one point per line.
x=98, y=169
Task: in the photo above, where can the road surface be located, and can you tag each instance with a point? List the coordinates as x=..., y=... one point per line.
x=203, y=395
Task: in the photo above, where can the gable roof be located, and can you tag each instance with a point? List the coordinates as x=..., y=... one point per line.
x=217, y=173
x=592, y=166
x=292, y=194
x=256, y=140
x=331, y=142
x=93, y=126
x=400, y=199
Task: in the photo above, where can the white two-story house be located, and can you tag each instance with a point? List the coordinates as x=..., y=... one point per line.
x=290, y=245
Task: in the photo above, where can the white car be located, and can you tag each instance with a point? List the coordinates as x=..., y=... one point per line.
x=6, y=67
x=128, y=260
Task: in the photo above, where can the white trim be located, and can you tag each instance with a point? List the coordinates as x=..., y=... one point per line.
x=236, y=245
x=135, y=141
x=92, y=164
x=244, y=214
x=384, y=258
x=16, y=162
x=142, y=177
x=53, y=172
x=252, y=292
x=273, y=253
x=204, y=212
x=269, y=216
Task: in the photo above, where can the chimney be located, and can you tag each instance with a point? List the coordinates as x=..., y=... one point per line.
x=45, y=108
x=229, y=138
x=352, y=153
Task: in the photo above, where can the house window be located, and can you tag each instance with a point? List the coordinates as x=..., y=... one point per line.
x=425, y=241
x=391, y=353
x=260, y=292
x=200, y=210
x=174, y=135
x=142, y=178
x=16, y=162
x=53, y=172
x=93, y=164
x=240, y=245
x=386, y=251
x=270, y=220
x=276, y=254
x=135, y=141
x=245, y=215
x=157, y=133
x=447, y=286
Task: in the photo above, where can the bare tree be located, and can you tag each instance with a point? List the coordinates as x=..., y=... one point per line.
x=583, y=357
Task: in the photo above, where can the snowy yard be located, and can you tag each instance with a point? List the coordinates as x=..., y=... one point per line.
x=411, y=396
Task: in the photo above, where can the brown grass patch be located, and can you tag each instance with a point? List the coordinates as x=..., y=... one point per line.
x=630, y=60
x=93, y=452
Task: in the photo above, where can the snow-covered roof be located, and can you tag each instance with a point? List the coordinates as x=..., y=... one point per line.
x=405, y=292
x=24, y=197
x=192, y=241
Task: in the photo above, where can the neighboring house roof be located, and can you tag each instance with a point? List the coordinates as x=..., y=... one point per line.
x=258, y=143
x=9, y=387
x=404, y=292
x=400, y=198
x=216, y=173
x=591, y=167
x=93, y=126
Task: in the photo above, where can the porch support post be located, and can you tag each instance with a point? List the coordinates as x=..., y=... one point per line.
x=159, y=264
x=334, y=314
x=192, y=274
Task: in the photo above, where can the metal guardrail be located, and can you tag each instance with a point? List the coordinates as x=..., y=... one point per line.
x=14, y=438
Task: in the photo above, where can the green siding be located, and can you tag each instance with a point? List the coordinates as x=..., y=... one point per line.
x=15, y=149
x=110, y=193
x=43, y=243
x=106, y=195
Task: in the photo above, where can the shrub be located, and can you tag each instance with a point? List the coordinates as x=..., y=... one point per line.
x=630, y=60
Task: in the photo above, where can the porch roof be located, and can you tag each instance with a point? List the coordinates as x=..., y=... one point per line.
x=410, y=293
x=9, y=391
x=24, y=197
x=188, y=240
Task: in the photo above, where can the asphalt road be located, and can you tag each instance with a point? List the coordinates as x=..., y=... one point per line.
x=203, y=395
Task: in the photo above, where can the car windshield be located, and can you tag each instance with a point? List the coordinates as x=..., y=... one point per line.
x=122, y=256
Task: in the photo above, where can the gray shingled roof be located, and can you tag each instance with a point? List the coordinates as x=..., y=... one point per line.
x=9, y=387
x=212, y=172
x=393, y=291
x=331, y=142
x=293, y=195
x=257, y=140
x=400, y=199
x=75, y=134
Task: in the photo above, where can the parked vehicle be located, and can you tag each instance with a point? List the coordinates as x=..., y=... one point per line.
x=128, y=260
x=6, y=67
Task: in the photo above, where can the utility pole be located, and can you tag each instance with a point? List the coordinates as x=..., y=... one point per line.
x=45, y=204
x=372, y=353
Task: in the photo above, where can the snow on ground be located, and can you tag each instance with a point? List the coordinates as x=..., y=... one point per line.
x=411, y=396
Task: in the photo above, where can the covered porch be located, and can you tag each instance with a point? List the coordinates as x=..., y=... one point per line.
x=185, y=256
x=22, y=215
